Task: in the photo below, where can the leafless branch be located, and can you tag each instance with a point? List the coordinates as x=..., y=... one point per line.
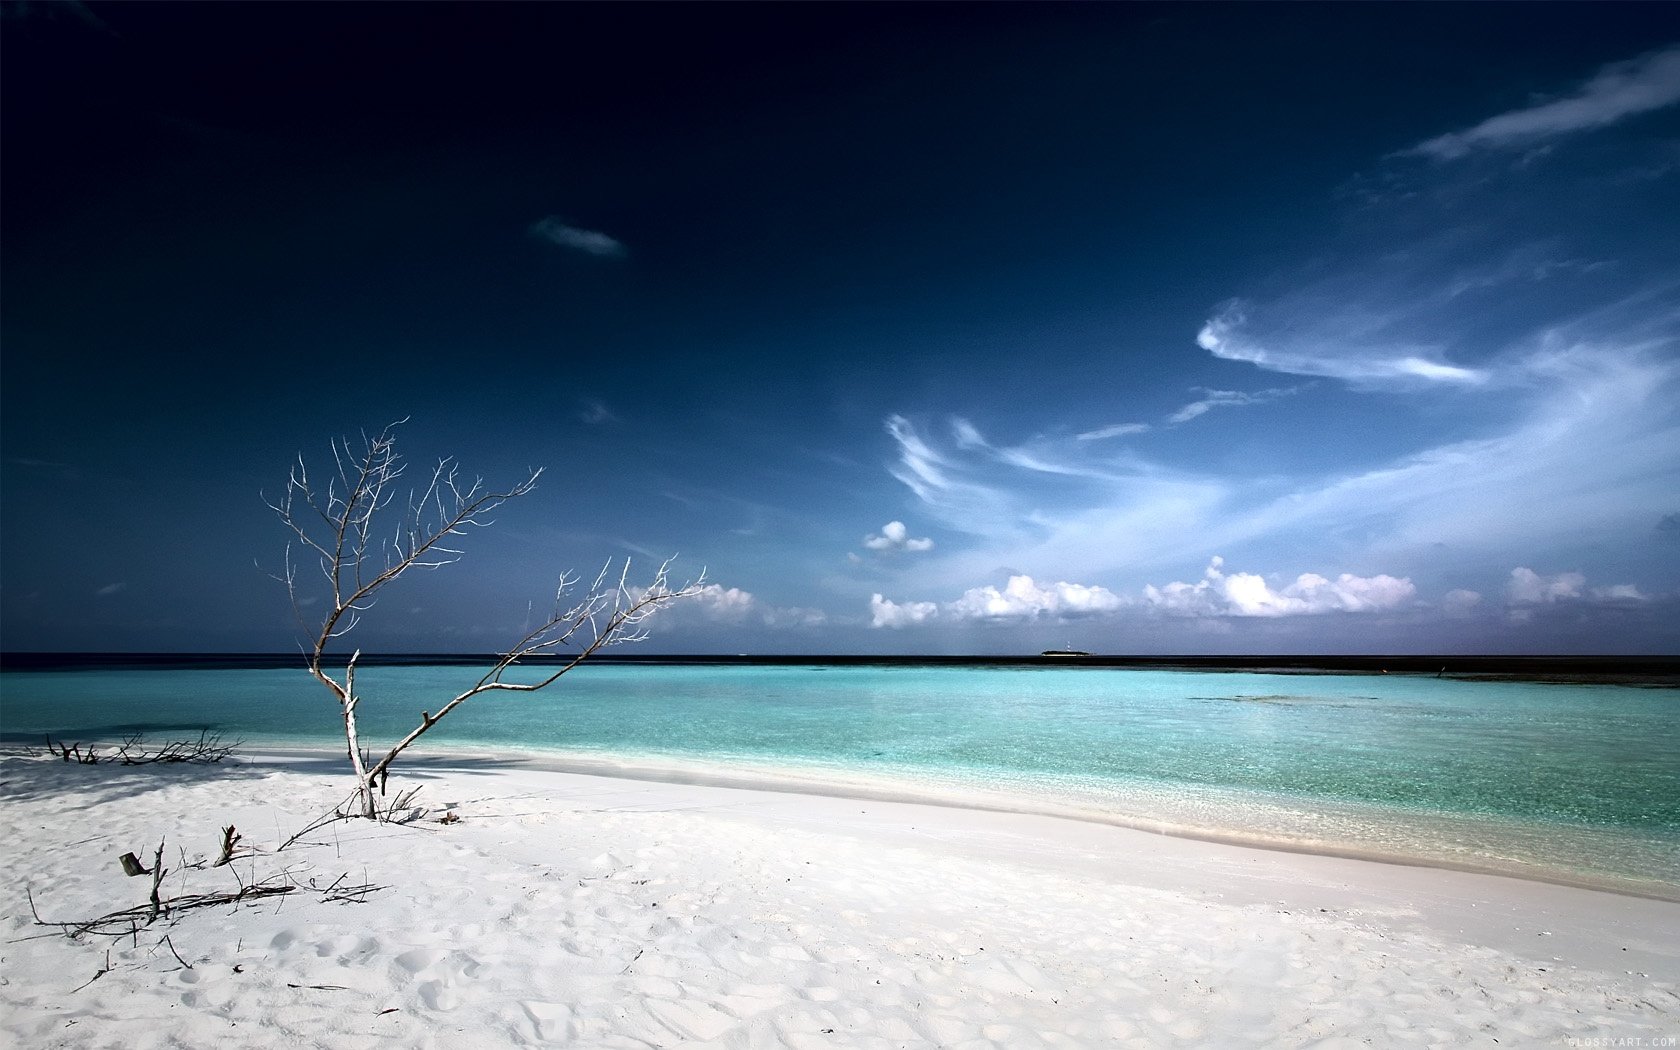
x=362, y=540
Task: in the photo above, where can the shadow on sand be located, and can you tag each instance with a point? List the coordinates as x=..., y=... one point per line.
x=28, y=772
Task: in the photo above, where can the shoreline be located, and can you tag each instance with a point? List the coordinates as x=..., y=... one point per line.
x=825, y=783
x=601, y=911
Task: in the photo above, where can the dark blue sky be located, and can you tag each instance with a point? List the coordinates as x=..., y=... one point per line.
x=921, y=328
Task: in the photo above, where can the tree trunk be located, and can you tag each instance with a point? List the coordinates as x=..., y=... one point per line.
x=364, y=786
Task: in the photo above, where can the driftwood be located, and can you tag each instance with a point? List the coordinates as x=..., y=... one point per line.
x=208, y=748
x=127, y=922
x=130, y=920
x=230, y=841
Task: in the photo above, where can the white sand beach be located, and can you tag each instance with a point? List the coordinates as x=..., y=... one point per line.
x=608, y=912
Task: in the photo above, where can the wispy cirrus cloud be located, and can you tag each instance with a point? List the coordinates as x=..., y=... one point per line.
x=1332, y=354
x=1617, y=91
x=558, y=232
x=596, y=413
x=944, y=484
x=1113, y=431
x=1586, y=428
x=1212, y=399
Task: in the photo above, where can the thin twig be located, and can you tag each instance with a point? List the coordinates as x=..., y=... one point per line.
x=175, y=953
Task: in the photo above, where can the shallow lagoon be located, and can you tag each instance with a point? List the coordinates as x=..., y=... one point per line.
x=1572, y=782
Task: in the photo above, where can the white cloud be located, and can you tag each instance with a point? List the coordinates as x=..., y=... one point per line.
x=1115, y=430
x=1619, y=592
x=1223, y=336
x=1226, y=399
x=1246, y=594
x=1527, y=587
x=1460, y=602
x=727, y=604
x=591, y=242
x=966, y=434
x=884, y=613
x=714, y=604
x=941, y=483
x=1619, y=90
x=110, y=589
x=895, y=536
x=794, y=616
x=1599, y=440
x=1587, y=415
x=1022, y=599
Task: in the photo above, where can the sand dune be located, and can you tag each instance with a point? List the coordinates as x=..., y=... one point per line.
x=602, y=912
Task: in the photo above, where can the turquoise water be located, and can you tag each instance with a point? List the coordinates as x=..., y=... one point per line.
x=1558, y=781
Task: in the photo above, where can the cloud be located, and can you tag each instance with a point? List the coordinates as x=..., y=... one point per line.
x=1022, y=599
x=714, y=604
x=884, y=613
x=1223, y=336
x=794, y=616
x=553, y=230
x=1460, y=602
x=1226, y=399
x=894, y=536
x=596, y=413
x=1619, y=592
x=1115, y=430
x=1531, y=596
x=1619, y=90
x=1246, y=594
x=1586, y=414
x=110, y=589
x=1527, y=587
x=942, y=483
x=726, y=604
x=966, y=434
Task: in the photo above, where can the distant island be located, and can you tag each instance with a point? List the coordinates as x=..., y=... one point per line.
x=1064, y=652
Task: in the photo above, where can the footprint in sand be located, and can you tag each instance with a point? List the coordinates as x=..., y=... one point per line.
x=439, y=996
x=441, y=973
x=418, y=959
x=553, y=1021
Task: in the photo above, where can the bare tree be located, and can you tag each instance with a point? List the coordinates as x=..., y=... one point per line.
x=362, y=540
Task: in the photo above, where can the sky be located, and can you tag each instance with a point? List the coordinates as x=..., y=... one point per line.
x=916, y=329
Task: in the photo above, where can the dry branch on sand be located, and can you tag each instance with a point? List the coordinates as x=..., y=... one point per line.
x=128, y=922
x=208, y=748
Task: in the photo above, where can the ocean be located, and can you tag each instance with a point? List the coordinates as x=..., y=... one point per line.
x=1565, y=782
